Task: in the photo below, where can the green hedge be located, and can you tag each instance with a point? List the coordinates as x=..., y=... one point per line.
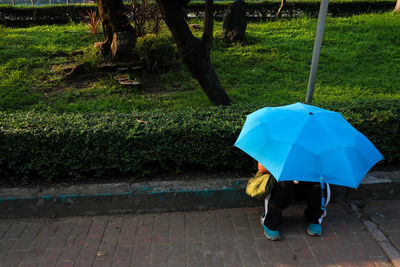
x=59, y=14
x=267, y=9
x=49, y=147
x=55, y=14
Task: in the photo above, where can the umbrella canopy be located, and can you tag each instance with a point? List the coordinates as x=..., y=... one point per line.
x=307, y=143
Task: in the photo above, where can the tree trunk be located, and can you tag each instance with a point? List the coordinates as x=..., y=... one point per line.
x=194, y=52
x=277, y=15
x=119, y=35
x=397, y=7
x=235, y=22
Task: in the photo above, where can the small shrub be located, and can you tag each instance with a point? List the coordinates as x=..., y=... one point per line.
x=92, y=21
x=157, y=51
x=145, y=16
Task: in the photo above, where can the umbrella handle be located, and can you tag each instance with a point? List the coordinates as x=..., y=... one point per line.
x=322, y=193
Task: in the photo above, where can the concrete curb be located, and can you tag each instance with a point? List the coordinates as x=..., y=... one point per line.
x=108, y=199
x=390, y=250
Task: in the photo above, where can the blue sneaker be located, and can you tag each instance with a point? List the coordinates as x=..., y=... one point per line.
x=271, y=235
x=314, y=229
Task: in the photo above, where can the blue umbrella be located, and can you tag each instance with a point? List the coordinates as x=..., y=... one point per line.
x=307, y=143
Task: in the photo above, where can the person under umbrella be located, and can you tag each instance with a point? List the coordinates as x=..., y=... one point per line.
x=304, y=143
x=281, y=197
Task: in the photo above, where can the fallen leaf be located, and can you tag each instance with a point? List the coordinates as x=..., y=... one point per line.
x=121, y=77
x=101, y=253
x=129, y=82
x=140, y=121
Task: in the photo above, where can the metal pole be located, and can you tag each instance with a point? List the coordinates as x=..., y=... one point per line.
x=317, y=49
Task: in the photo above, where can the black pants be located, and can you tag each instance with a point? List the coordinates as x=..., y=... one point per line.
x=285, y=192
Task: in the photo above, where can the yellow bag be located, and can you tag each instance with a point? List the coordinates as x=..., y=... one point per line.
x=260, y=185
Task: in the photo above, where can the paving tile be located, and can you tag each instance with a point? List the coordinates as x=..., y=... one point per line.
x=128, y=231
x=35, y=254
x=195, y=254
x=50, y=257
x=5, y=247
x=141, y=255
x=13, y=258
x=27, y=236
x=72, y=248
x=92, y=240
x=15, y=230
x=60, y=237
x=109, y=242
x=213, y=259
x=159, y=255
x=122, y=256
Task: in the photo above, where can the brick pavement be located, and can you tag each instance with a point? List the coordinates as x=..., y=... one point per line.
x=227, y=237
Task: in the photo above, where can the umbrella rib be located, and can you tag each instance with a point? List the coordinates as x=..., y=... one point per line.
x=292, y=145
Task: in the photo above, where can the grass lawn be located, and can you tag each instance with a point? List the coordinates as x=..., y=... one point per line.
x=360, y=59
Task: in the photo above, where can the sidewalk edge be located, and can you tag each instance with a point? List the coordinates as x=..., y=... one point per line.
x=390, y=250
